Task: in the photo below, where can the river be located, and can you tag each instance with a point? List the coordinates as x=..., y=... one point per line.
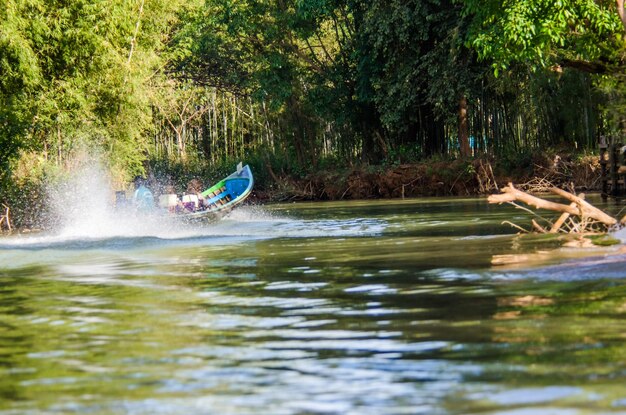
x=427, y=306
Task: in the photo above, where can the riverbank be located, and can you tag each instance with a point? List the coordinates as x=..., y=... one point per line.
x=480, y=176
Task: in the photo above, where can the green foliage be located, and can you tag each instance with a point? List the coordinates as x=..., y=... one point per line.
x=379, y=80
x=418, y=67
x=404, y=153
x=542, y=32
x=516, y=162
x=296, y=57
x=75, y=71
x=613, y=89
x=292, y=86
x=19, y=74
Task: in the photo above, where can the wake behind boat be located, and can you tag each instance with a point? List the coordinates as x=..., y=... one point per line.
x=211, y=203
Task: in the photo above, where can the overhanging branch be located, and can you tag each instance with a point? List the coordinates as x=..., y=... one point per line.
x=602, y=66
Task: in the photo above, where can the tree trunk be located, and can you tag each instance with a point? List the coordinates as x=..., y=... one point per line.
x=179, y=141
x=464, y=145
x=622, y=13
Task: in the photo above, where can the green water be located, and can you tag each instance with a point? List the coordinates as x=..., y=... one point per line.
x=381, y=307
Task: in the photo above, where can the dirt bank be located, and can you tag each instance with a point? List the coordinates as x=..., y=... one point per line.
x=435, y=178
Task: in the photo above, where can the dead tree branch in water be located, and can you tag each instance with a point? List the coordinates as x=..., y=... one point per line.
x=577, y=217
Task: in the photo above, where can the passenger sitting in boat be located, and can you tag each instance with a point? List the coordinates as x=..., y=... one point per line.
x=143, y=199
x=194, y=195
x=168, y=200
x=190, y=202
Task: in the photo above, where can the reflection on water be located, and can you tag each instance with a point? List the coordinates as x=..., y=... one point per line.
x=404, y=307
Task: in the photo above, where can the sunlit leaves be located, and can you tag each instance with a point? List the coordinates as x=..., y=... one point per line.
x=66, y=72
x=540, y=32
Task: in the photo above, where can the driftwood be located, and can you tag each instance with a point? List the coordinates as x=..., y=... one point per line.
x=579, y=216
x=586, y=208
x=561, y=220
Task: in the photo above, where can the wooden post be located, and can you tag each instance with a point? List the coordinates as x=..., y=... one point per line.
x=603, y=170
x=613, y=169
x=620, y=157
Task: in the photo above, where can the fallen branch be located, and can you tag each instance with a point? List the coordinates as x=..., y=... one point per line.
x=578, y=217
x=538, y=227
x=561, y=220
x=586, y=208
x=515, y=226
x=511, y=194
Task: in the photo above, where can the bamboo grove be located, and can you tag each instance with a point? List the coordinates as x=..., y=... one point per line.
x=304, y=81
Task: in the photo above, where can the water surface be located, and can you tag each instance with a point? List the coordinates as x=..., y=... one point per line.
x=378, y=307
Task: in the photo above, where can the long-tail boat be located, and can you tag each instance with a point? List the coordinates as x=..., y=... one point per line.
x=215, y=201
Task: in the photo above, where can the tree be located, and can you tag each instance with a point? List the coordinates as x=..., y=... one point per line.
x=373, y=80
x=19, y=76
x=583, y=34
x=76, y=71
x=299, y=57
x=180, y=104
x=421, y=72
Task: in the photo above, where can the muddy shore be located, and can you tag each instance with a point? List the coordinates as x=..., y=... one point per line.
x=434, y=178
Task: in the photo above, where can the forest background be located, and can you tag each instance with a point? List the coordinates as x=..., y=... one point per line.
x=325, y=99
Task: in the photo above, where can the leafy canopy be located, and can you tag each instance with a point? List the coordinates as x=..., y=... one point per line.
x=543, y=32
x=73, y=71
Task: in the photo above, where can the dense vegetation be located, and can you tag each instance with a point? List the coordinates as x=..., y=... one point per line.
x=296, y=86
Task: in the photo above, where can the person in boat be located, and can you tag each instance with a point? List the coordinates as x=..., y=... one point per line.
x=143, y=199
x=194, y=195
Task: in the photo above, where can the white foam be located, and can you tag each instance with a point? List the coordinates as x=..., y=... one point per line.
x=620, y=234
x=85, y=209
